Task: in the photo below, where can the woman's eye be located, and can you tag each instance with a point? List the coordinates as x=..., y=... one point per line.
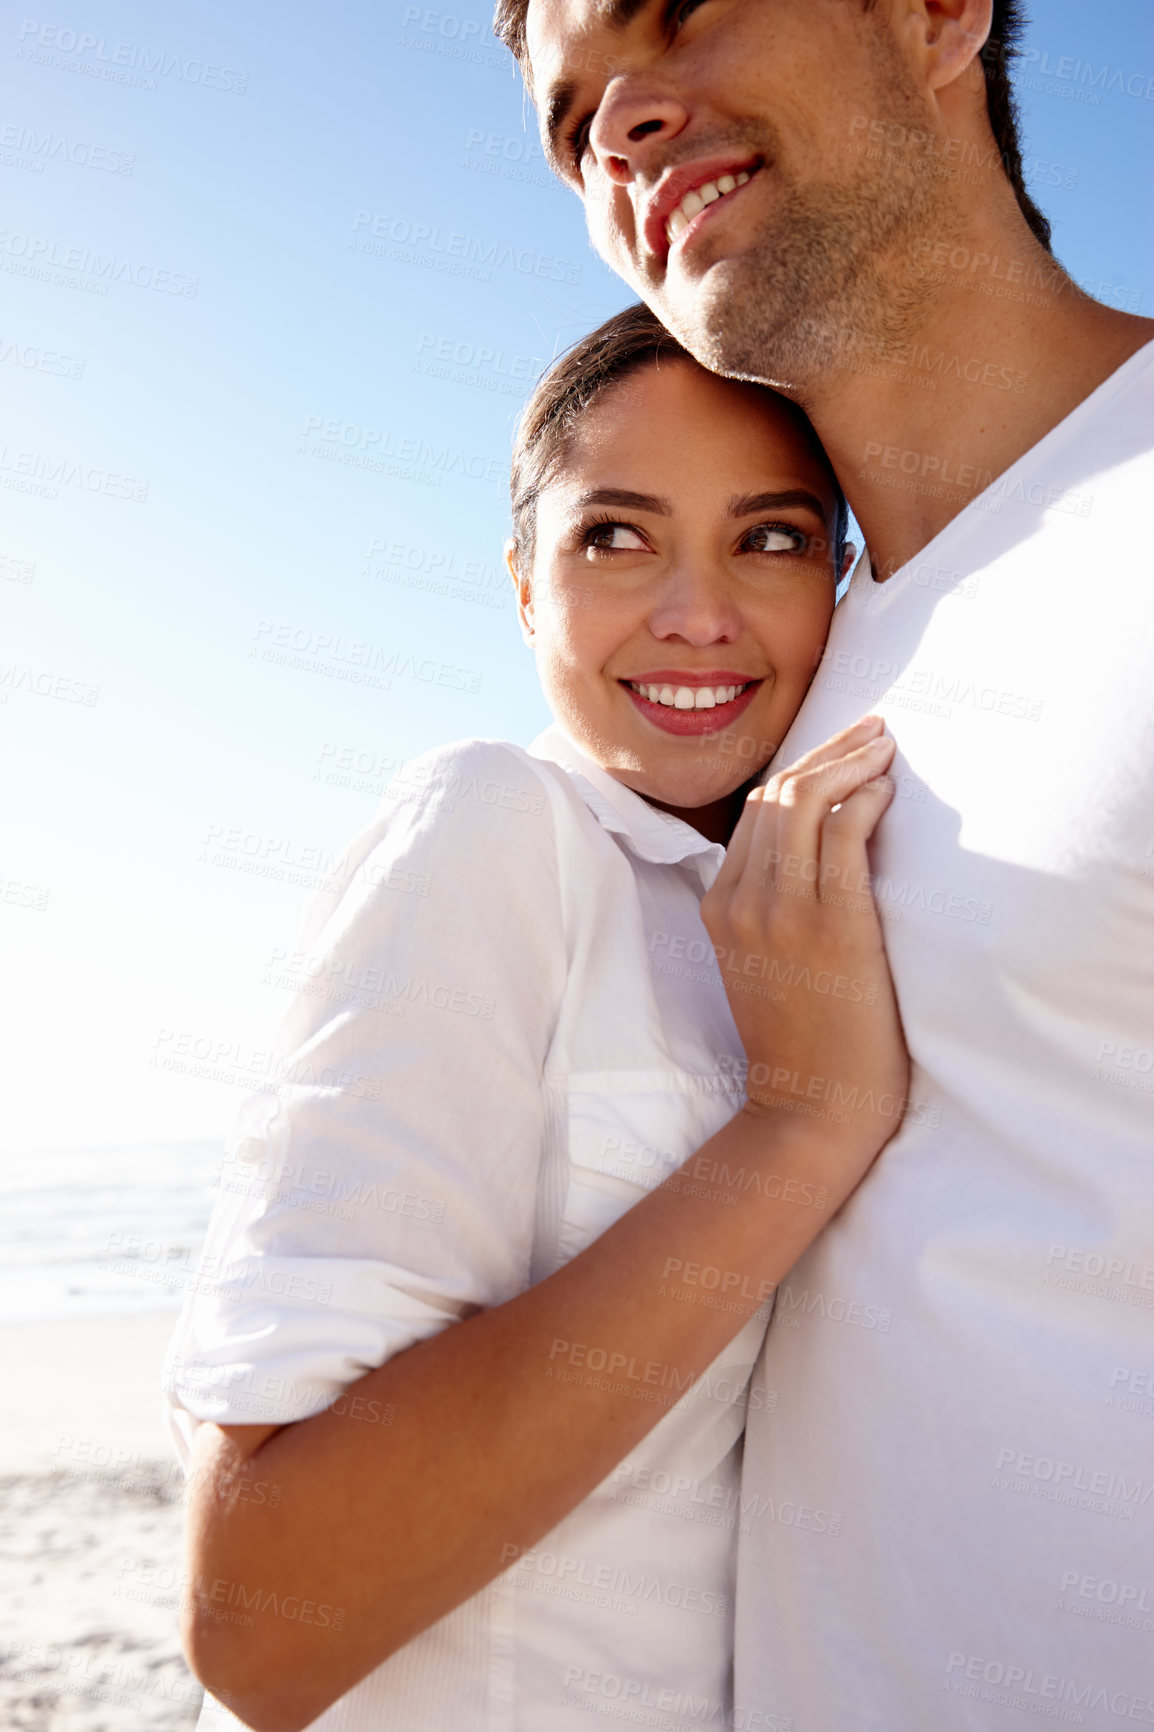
x=616, y=536
x=774, y=538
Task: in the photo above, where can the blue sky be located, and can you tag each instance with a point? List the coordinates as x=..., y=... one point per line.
x=275, y=280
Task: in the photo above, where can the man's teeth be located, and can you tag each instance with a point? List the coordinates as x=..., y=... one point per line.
x=689, y=697
x=696, y=201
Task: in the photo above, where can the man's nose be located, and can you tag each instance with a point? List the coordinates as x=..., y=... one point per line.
x=635, y=121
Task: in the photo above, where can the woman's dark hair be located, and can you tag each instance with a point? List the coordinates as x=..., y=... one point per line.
x=1000, y=51
x=624, y=344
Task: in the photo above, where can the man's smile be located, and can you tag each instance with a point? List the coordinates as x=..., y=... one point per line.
x=683, y=196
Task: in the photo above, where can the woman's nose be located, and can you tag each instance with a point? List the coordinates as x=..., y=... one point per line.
x=633, y=126
x=696, y=607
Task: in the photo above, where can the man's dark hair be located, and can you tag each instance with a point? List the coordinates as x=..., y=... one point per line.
x=1009, y=21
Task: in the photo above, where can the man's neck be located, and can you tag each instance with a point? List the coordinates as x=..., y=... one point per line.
x=1003, y=348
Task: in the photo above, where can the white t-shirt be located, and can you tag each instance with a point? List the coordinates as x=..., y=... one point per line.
x=964, y=1362
x=507, y=1026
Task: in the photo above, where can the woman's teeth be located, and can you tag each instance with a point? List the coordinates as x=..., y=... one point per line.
x=689, y=697
x=696, y=201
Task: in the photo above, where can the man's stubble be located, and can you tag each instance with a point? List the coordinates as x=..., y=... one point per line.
x=832, y=282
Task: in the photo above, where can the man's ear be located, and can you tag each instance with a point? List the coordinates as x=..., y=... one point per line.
x=523, y=590
x=948, y=37
x=849, y=554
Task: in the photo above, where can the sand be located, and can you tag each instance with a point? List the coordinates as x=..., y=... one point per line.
x=90, y=1531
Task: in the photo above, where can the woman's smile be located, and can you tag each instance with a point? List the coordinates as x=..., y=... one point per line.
x=681, y=702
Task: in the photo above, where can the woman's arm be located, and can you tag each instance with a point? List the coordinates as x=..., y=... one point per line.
x=383, y=1529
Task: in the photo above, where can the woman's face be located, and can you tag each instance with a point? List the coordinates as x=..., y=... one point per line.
x=682, y=584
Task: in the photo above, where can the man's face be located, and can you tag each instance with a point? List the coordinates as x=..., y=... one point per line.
x=722, y=151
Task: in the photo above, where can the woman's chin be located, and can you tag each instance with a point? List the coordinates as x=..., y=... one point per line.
x=687, y=793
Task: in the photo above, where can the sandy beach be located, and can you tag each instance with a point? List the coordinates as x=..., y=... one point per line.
x=90, y=1531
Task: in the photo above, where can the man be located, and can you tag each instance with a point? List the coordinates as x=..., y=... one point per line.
x=826, y=195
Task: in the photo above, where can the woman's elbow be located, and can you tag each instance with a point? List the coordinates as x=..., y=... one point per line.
x=259, y=1689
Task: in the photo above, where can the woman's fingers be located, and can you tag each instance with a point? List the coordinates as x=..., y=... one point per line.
x=805, y=800
x=837, y=746
x=844, y=875
x=755, y=819
x=798, y=939
x=737, y=850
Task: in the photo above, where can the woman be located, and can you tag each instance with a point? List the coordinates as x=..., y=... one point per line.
x=522, y=1097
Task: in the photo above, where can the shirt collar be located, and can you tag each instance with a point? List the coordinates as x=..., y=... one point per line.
x=645, y=830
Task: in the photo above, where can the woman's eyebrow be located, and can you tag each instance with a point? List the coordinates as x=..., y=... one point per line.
x=628, y=501
x=744, y=504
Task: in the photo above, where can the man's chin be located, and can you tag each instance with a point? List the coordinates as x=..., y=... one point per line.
x=710, y=314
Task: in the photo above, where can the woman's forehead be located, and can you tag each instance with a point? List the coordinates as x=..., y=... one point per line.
x=675, y=414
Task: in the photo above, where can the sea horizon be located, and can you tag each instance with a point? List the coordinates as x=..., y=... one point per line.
x=103, y=1230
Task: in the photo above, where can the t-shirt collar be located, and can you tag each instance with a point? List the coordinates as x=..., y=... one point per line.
x=645, y=830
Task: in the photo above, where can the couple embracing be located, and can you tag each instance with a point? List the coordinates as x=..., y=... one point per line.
x=747, y=1239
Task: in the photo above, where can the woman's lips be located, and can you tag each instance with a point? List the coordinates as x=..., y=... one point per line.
x=674, y=721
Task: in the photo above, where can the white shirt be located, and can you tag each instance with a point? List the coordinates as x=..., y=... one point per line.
x=984, y=1421
x=508, y=1026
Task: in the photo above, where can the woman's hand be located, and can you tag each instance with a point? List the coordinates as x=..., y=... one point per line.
x=369, y=1518
x=796, y=930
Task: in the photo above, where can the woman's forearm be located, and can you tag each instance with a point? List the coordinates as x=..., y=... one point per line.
x=383, y=1528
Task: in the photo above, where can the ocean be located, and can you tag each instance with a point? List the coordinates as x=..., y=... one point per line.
x=102, y=1232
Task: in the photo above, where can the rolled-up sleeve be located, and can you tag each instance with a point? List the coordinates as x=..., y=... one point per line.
x=384, y=1184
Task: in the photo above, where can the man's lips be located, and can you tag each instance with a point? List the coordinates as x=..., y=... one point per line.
x=688, y=178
